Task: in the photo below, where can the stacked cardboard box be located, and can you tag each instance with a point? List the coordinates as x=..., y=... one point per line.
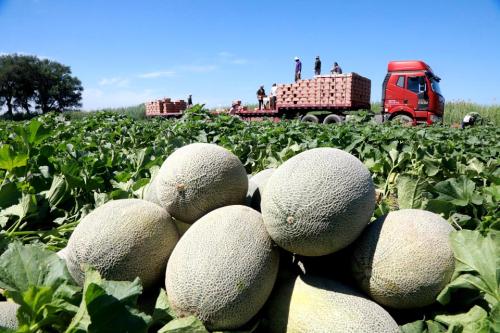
x=165, y=106
x=342, y=90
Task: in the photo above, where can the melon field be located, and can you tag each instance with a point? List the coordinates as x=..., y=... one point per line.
x=93, y=221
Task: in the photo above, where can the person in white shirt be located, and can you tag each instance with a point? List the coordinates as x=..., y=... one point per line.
x=470, y=119
x=274, y=89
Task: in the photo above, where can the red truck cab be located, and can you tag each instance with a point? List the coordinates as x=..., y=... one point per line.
x=411, y=93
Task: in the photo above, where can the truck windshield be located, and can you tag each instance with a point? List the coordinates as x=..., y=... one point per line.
x=435, y=86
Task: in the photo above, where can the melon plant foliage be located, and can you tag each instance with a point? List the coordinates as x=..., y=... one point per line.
x=56, y=169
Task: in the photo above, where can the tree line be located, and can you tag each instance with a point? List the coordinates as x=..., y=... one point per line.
x=30, y=85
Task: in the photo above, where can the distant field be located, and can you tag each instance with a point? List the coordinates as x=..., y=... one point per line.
x=454, y=111
x=136, y=112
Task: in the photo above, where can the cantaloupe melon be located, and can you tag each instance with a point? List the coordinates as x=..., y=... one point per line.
x=318, y=202
x=256, y=185
x=404, y=259
x=312, y=304
x=223, y=268
x=8, y=312
x=123, y=239
x=198, y=178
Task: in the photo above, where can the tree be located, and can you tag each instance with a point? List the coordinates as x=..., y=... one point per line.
x=24, y=92
x=27, y=83
x=7, y=82
x=56, y=89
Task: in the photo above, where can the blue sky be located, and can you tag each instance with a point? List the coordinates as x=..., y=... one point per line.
x=127, y=52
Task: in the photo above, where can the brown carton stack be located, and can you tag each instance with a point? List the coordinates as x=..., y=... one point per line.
x=154, y=107
x=342, y=90
x=165, y=106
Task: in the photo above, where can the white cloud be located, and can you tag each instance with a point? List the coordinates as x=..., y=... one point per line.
x=225, y=54
x=198, y=68
x=114, y=81
x=98, y=99
x=231, y=58
x=153, y=75
x=239, y=61
x=177, y=70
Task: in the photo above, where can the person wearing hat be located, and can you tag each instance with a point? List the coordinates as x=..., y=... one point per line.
x=470, y=119
x=298, y=69
x=336, y=69
x=261, y=93
x=317, y=66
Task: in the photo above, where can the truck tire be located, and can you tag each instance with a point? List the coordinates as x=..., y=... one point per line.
x=333, y=119
x=402, y=119
x=310, y=118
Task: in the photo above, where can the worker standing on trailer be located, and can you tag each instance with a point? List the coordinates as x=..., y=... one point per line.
x=317, y=66
x=336, y=69
x=274, y=89
x=261, y=93
x=298, y=69
x=190, y=101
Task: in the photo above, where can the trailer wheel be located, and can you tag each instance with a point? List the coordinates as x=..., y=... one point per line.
x=310, y=118
x=402, y=119
x=333, y=119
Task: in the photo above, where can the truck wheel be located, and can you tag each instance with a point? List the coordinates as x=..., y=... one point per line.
x=402, y=119
x=333, y=119
x=310, y=118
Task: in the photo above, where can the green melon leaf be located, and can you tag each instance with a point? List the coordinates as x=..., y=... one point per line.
x=9, y=195
x=422, y=326
x=431, y=166
x=459, y=192
x=184, y=325
x=162, y=312
x=475, y=165
x=107, y=304
x=461, y=283
x=22, y=266
x=58, y=190
x=45, y=306
x=418, y=326
x=440, y=207
x=411, y=192
x=10, y=159
x=34, y=133
x=474, y=321
x=492, y=194
x=477, y=264
x=39, y=282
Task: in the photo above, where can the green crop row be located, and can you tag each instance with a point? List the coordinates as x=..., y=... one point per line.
x=454, y=111
x=109, y=155
x=57, y=168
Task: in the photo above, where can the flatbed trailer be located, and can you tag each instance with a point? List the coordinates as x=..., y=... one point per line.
x=410, y=94
x=324, y=98
x=325, y=113
x=166, y=114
